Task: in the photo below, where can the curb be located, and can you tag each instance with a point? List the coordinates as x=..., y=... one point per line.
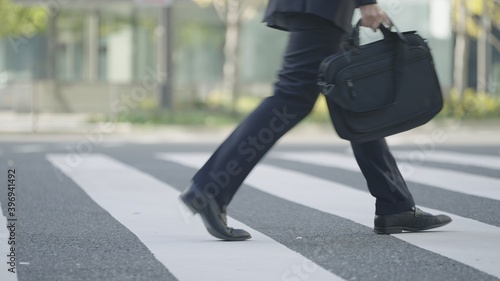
x=453, y=132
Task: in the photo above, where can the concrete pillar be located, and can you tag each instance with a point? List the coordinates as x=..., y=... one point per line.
x=62, y=104
x=164, y=56
x=92, y=46
x=484, y=53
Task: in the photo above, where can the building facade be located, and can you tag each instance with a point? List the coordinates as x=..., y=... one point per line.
x=103, y=56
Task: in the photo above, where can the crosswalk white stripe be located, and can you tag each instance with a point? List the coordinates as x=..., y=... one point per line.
x=29, y=148
x=123, y=190
x=466, y=183
x=484, y=161
x=467, y=241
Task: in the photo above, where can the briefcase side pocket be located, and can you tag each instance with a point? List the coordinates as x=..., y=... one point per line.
x=356, y=84
x=419, y=95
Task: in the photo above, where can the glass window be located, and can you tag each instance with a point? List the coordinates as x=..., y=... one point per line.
x=70, y=45
x=144, y=42
x=127, y=43
x=115, y=44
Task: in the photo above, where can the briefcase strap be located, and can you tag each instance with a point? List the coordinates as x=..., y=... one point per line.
x=400, y=48
x=353, y=39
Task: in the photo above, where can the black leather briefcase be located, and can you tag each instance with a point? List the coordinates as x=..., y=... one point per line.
x=381, y=88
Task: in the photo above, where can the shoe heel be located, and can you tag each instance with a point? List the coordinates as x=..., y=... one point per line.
x=188, y=204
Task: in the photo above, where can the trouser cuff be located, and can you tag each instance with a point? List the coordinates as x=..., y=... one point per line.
x=389, y=208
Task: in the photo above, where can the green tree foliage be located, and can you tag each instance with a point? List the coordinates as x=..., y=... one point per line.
x=233, y=13
x=247, y=7
x=475, y=10
x=18, y=20
x=474, y=19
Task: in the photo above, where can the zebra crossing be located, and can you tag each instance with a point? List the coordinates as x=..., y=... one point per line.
x=483, y=161
x=447, y=179
x=330, y=236
x=354, y=205
x=158, y=202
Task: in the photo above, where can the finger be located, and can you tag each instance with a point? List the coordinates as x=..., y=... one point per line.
x=365, y=22
x=387, y=21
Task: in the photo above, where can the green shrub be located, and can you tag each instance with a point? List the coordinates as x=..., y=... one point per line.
x=218, y=111
x=147, y=112
x=472, y=105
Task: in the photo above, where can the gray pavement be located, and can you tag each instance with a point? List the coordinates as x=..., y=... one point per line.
x=64, y=234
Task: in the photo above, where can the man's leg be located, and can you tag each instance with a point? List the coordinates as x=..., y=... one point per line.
x=395, y=209
x=295, y=94
x=383, y=177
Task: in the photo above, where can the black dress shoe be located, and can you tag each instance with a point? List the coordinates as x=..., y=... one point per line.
x=214, y=217
x=415, y=220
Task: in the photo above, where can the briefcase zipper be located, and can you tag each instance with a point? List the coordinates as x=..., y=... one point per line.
x=371, y=72
x=374, y=60
x=326, y=86
x=352, y=91
x=323, y=66
x=383, y=57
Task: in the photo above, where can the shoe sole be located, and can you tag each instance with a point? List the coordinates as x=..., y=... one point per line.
x=207, y=226
x=399, y=229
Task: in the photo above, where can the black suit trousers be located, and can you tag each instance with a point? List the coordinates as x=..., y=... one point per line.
x=295, y=94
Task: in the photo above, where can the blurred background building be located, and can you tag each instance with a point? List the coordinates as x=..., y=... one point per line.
x=100, y=56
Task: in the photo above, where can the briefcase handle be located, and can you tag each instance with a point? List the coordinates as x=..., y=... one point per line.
x=400, y=48
x=400, y=42
x=353, y=39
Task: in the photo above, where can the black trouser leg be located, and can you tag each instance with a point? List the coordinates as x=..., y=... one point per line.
x=383, y=177
x=224, y=172
x=294, y=96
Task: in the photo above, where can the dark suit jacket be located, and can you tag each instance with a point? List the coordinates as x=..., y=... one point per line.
x=293, y=14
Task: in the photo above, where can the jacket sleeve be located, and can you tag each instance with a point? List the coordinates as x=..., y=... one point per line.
x=365, y=2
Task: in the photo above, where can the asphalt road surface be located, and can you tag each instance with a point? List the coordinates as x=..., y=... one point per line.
x=79, y=211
